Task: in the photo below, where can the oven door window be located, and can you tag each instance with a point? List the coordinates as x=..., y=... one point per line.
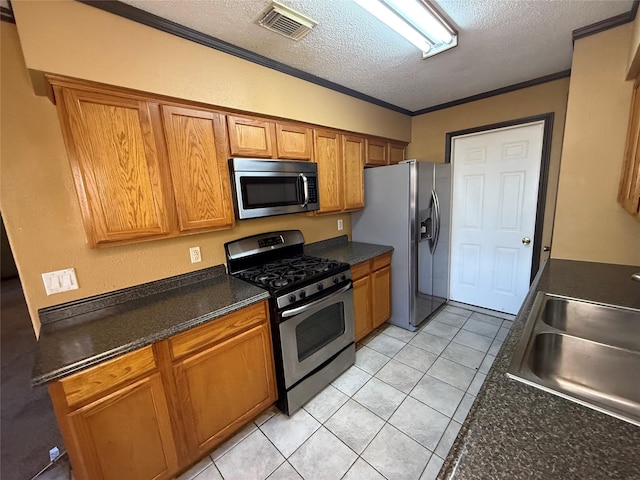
x=320, y=329
x=264, y=192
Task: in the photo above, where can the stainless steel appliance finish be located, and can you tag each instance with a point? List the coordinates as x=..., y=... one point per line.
x=586, y=352
x=311, y=311
x=262, y=188
x=407, y=207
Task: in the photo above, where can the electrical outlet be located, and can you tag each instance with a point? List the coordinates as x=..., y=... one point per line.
x=340, y=225
x=60, y=281
x=195, y=254
x=53, y=454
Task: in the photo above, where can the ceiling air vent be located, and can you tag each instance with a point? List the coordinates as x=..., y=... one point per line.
x=287, y=22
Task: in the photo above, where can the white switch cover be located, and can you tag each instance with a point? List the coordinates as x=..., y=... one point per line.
x=195, y=254
x=340, y=225
x=60, y=281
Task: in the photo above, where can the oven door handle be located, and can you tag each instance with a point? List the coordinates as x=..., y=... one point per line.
x=317, y=303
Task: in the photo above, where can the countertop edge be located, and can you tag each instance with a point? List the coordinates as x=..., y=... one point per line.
x=148, y=340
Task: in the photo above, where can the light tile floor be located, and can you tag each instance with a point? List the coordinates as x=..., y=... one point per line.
x=393, y=415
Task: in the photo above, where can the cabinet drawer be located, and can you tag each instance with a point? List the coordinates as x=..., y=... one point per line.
x=217, y=330
x=90, y=382
x=381, y=261
x=360, y=270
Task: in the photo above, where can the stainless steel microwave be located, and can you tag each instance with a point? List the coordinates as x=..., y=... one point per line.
x=262, y=188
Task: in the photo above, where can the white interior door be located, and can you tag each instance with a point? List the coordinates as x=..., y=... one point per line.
x=495, y=192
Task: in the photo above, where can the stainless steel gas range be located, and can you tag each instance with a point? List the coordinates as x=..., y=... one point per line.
x=311, y=309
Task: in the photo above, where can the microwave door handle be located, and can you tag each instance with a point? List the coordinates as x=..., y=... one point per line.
x=305, y=189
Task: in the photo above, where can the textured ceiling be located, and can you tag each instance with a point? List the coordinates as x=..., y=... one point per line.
x=501, y=43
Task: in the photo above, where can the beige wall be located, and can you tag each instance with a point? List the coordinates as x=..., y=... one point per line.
x=429, y=130
x=37, y=196
x=589, y=224
x=633, y=61
x=69, y=38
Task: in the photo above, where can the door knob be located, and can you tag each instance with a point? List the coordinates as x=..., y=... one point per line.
x=526, y=240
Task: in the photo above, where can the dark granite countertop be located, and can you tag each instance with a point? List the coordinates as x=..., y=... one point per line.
x=79, y=334
x=342, y=250
x=515, y=431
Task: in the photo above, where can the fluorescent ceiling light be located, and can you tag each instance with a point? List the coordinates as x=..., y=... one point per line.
x=416, y=21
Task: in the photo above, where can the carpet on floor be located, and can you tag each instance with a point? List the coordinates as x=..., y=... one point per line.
x=28, y=428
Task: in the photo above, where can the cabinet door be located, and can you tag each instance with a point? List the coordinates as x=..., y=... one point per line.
x=114, y=158
x=629, y=193
x=328, y=158
x=353, y=155
x=126, y=434
x=396, y=153
x=362, y=307
x=197, y=157
x=381, y=296
x=294, y=141
x=251, y=137
x=225, y=385
x=376, y=153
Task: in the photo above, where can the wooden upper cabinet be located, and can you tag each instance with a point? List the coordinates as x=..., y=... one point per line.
x=353, y=156
x=294, y=141
x=196, y=148
x=328, y=156
x=113, y=152
x=251, y=137
x=396, y=153
x=376, y=153
x=629, y=192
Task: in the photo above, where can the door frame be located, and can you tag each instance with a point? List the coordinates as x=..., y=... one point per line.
x=545, y=159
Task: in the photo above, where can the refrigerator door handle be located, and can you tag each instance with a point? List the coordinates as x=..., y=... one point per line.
x=436, y=226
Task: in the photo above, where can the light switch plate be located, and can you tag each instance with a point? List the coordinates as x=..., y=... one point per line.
x=60, y=281
x=340, y=224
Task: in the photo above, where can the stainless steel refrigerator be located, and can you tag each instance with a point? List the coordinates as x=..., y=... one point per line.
x=407, y=206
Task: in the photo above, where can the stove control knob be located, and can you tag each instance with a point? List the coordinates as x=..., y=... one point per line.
x=320, y=287
x=343, y=277
x=292, y=298
x=302, y=294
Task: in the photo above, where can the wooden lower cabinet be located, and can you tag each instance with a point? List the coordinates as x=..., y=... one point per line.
x=362, y=307
x=371, y=294
x=151, y=413
x=225, y=386
x=380, y=295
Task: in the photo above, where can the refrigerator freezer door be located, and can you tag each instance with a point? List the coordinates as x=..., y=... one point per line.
x=389, y=219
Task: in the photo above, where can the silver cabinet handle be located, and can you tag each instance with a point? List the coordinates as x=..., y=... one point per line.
x=546, y=248
x=636, y=277
x=526, y=240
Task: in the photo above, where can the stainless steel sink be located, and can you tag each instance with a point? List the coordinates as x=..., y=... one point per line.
x=601, y=323
x=583, y=351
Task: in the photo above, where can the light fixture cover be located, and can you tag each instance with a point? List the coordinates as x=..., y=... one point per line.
x=417, y=21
